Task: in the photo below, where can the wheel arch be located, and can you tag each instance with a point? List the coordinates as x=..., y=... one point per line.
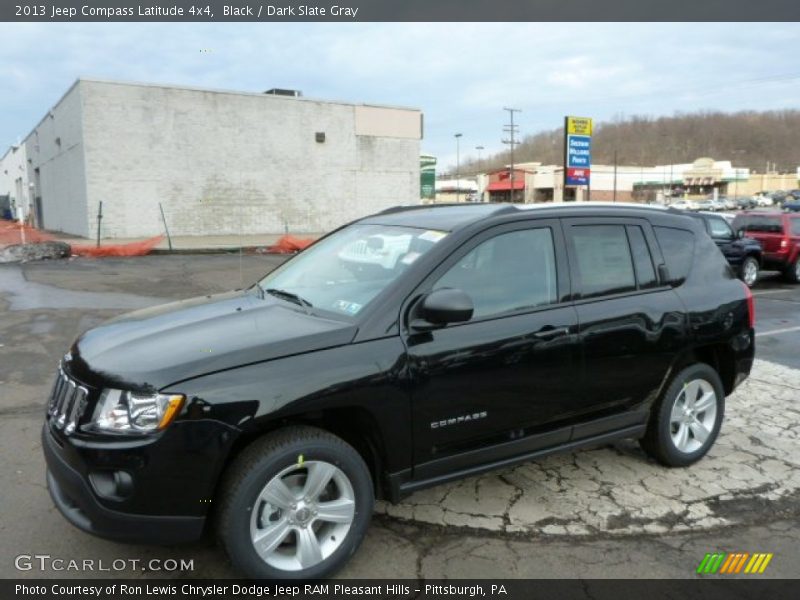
x=719, y=356
x=353, y=424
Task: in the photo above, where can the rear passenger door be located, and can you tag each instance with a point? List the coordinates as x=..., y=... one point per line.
x=629, y=322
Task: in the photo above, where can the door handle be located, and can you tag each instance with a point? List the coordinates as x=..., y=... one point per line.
x=549, y=333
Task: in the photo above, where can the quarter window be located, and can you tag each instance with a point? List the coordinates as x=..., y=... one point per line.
x=677, y=246
x=509, y=272
x=604, y=262
x=642, y=260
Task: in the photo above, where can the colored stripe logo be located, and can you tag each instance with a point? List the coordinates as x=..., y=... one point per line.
x=731, y=563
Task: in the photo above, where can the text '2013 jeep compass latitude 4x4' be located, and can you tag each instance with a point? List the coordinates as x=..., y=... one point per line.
x=409, y=348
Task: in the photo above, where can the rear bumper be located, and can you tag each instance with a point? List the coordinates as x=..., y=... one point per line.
x=75, y=499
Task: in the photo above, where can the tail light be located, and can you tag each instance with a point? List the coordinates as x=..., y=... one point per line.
x=784, y=243
x=751, y=307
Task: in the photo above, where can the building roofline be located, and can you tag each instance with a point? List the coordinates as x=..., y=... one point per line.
x=206, y=90
x=192, y=88
x=49, y=110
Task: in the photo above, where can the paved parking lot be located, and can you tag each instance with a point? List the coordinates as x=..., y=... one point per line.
x=604, y=512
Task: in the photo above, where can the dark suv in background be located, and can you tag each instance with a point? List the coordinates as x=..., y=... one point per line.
x=779, y=236
x=742, y=253
x=407, y=349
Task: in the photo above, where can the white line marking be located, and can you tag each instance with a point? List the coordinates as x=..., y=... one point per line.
x=778, y=331
x=765, y=292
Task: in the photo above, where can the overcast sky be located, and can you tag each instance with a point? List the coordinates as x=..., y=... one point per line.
x=461, y=75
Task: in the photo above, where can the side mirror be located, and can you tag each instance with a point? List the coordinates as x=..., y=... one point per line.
x=440, y=307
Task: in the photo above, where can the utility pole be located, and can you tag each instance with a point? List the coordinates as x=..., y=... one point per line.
x=512, y=130
x=458, y=166
x=479, y=149
x=615, y=175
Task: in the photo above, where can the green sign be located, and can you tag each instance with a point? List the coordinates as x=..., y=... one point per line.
x=427, y=176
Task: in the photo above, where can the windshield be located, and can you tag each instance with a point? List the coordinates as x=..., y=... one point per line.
x=345, y=271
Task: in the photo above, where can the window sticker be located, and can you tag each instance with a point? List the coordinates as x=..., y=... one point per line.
x=433, y=236
x=351, y=308
x=410, y=257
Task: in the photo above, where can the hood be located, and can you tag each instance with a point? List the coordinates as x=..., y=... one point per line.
x=154, y=347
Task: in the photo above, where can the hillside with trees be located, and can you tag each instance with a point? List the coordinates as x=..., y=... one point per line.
x=748, y=139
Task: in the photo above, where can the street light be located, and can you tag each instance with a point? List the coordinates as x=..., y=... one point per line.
x=458, y=166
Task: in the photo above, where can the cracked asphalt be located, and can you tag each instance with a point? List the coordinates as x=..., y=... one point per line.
x=603, y=512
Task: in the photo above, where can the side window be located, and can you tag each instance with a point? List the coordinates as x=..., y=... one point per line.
x=762, y=224
x=677, y=246
x=718, y=228
x=604, y=260
x=642, y=260
x=795, y=225
x=509, y=272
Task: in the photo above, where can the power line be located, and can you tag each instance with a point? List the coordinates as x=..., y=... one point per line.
x=512, y=130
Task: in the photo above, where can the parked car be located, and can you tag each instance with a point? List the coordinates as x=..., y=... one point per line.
x=704, y=205
x=501, y=334
x=794, y=194
x=763, y=200
x=779, y=235
x=725, y=203
x=685, y=205
x=742, y=253
x=718, y=204
x=792, y=205
x=744, y=202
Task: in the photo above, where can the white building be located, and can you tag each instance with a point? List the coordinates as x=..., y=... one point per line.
x=218, y=162
x=14, y=189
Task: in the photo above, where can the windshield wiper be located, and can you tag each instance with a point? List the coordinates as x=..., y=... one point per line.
x=284, y=295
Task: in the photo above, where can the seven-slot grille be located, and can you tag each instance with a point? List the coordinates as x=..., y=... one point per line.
x=67, y=402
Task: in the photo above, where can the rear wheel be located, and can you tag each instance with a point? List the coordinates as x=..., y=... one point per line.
x=748, y=272
x=686, y=421
x=792, y=273
x=295, y=505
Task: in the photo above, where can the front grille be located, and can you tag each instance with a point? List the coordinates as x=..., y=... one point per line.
x=67, y=403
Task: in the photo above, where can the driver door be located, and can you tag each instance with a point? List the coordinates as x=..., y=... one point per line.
x=496, y=386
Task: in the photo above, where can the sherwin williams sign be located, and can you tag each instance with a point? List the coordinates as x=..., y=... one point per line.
x=427, y=176
x=577, y=150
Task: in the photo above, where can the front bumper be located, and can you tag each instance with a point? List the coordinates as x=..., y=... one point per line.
x=75, y=499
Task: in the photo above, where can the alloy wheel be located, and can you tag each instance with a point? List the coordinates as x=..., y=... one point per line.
x=302, y=515
x=693, y=416
x=750, y=274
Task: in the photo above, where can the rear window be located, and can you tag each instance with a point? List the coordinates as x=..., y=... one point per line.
x=758, y=224
x=677, y=246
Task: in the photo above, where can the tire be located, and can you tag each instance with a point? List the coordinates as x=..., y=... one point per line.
x=662, y=439
x=748, y=271
x=288, y=461
x=792, y=272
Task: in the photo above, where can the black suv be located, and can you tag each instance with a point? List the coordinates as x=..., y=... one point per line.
x=742, y=253
x=406, y=349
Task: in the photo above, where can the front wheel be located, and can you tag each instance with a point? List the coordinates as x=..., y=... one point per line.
x=686, y=421
x=749, y=271
x=295, y=505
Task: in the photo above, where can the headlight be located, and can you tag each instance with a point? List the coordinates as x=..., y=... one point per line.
x=128, y=412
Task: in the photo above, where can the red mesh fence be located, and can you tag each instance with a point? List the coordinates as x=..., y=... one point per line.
x=130, y=249
x=289, y=244
x=12, y=232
